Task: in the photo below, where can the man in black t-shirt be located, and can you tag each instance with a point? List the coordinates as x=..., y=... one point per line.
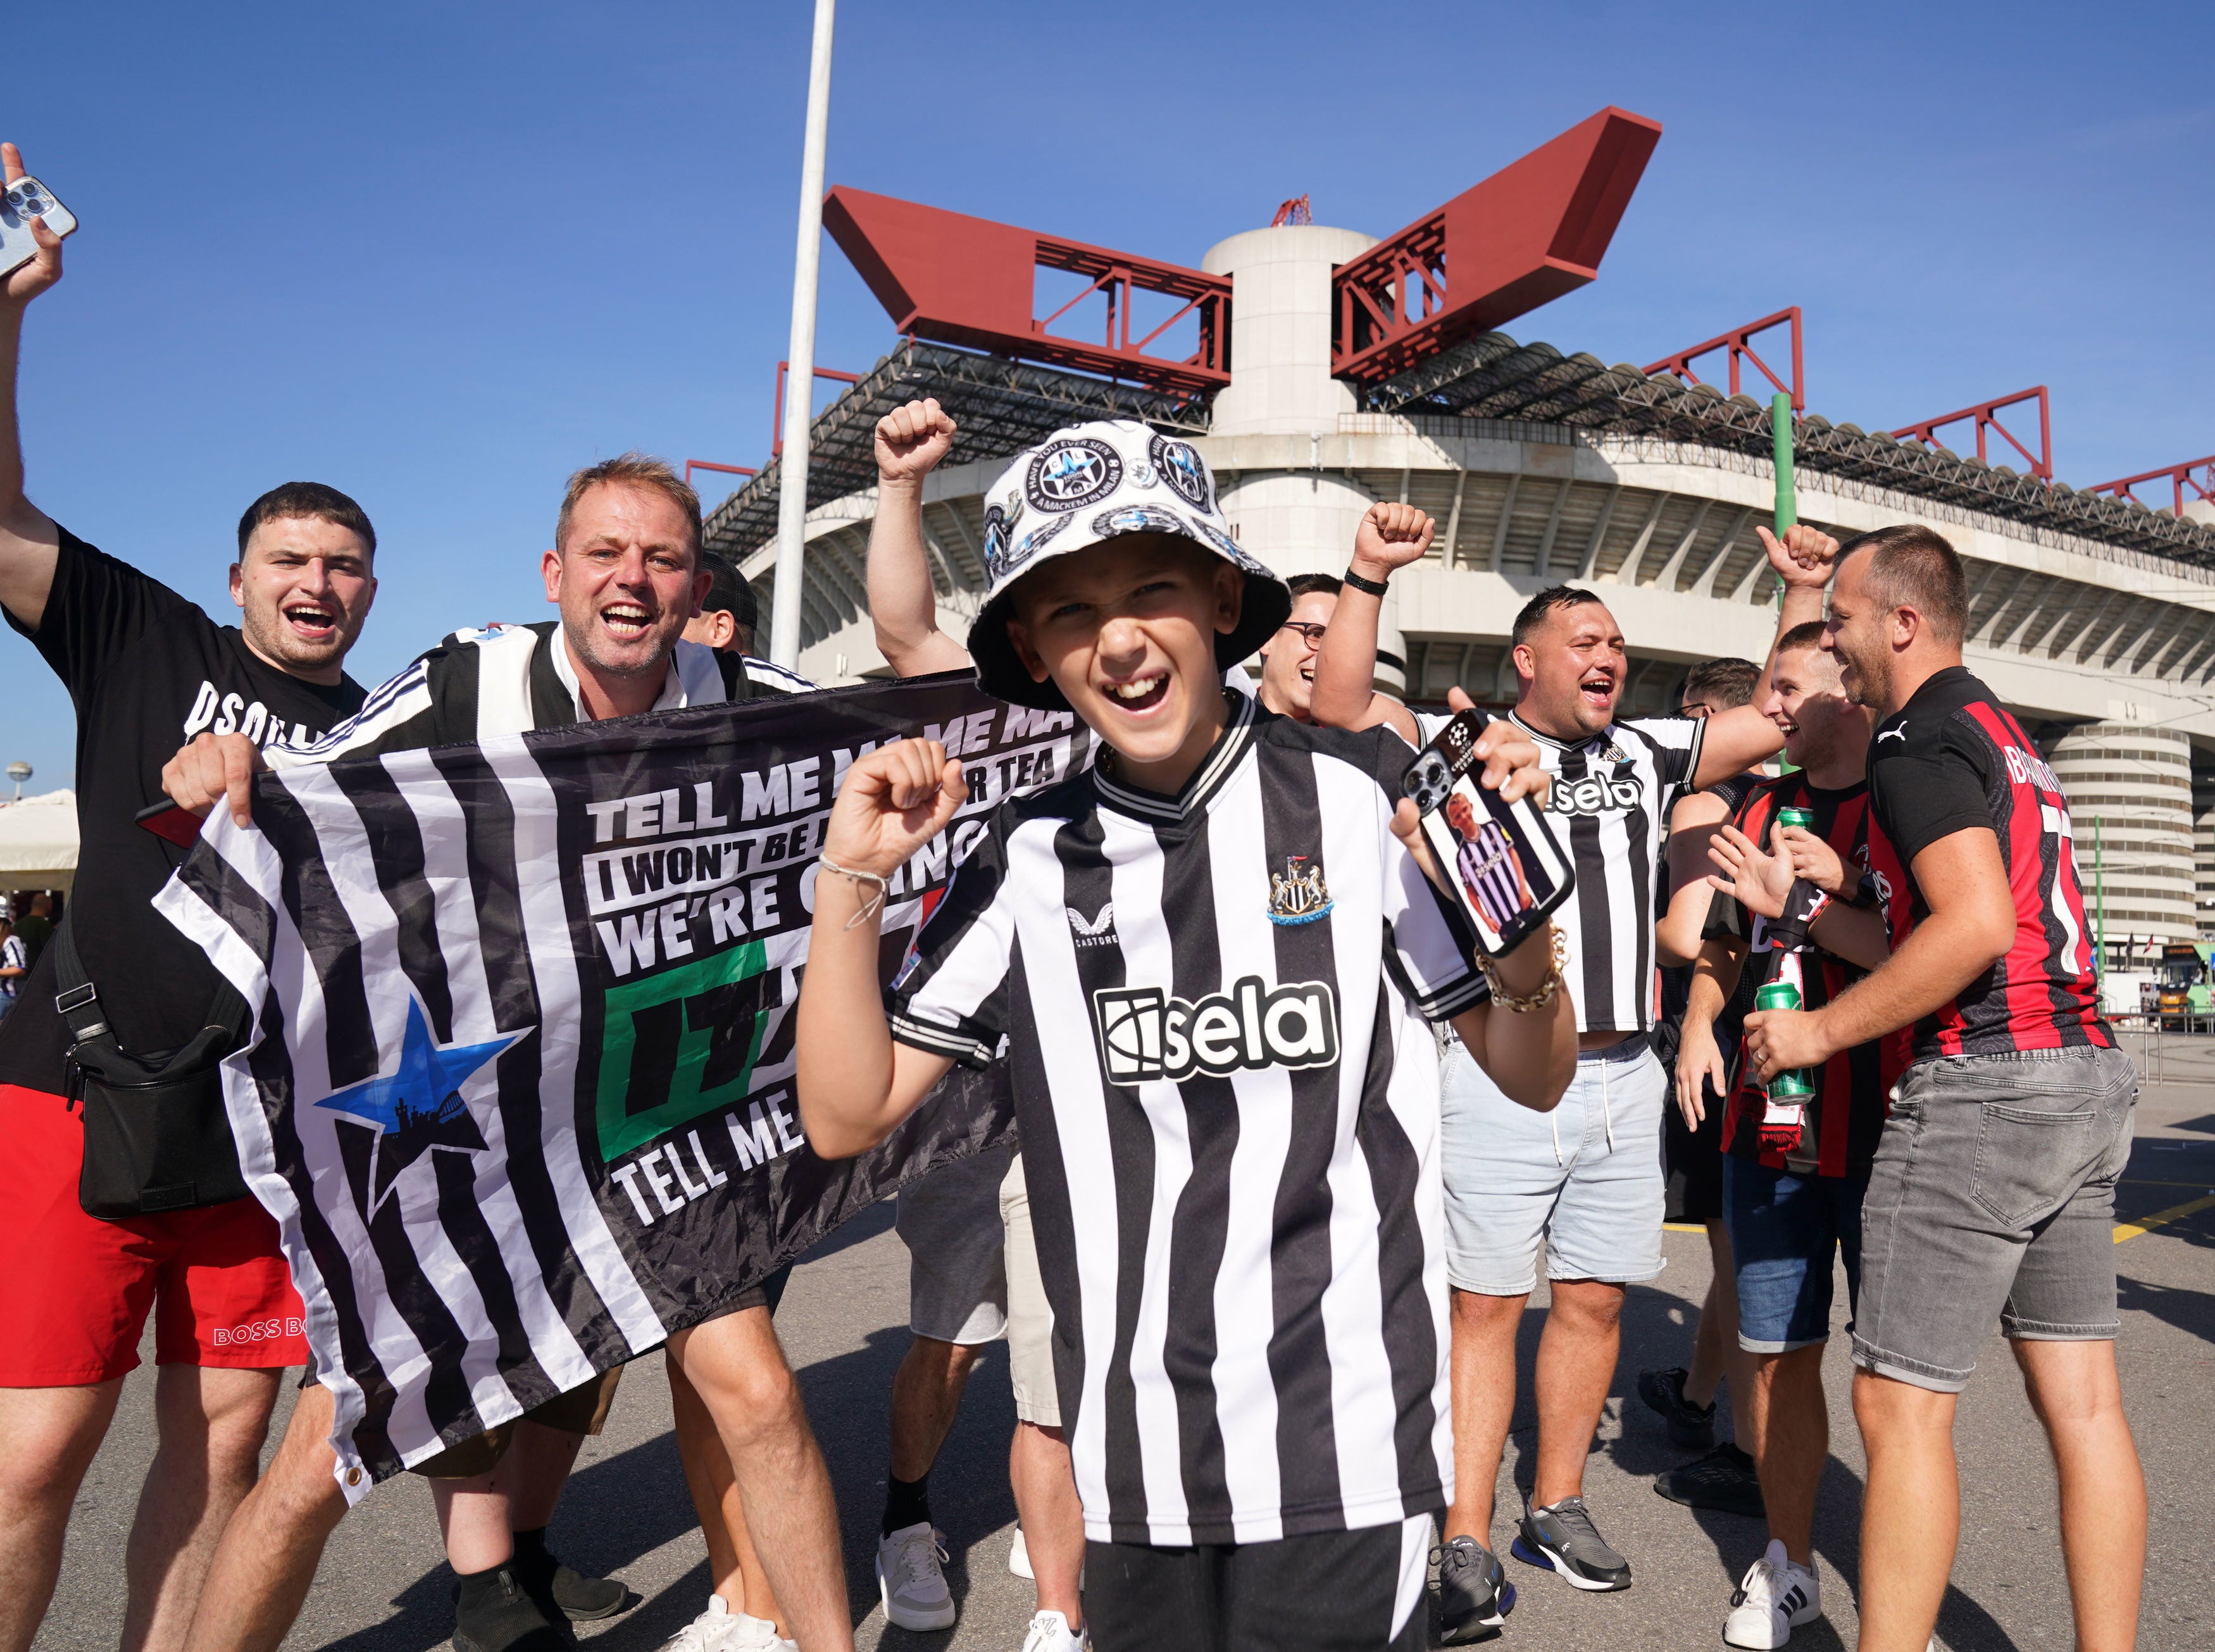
x=626, y=578
x=145, y=668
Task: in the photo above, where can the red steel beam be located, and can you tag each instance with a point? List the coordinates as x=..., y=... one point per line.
x=777, y=406
x=692, y=465
x=1986, y=413
x=1739, y=343
x=1533, y=230
x=970, y=281
x=2197, y=475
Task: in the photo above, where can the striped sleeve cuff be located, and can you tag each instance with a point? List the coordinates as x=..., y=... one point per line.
x=963, y=1047
x=1465, y=993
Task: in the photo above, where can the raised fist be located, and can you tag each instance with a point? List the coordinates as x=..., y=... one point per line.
x=1803, y=557
x=19, y=286
x=891, y=803
x=912, y=440
x=1391, y=536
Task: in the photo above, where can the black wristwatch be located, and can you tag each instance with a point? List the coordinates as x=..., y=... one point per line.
x=1865, y=893
x=1374, y=587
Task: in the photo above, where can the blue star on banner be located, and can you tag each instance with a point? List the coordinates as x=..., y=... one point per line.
x=419, y=1106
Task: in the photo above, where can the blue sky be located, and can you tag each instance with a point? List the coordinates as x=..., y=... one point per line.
x=440, y=256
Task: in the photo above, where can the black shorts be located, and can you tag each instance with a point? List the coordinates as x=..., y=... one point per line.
x=1693, y=1161
x=1327, y=1592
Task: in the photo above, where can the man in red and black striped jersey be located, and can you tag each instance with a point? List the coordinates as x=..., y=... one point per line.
x=1992, y=1193
x=1794, y=1172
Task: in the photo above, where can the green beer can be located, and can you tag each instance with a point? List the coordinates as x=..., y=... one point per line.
x=1783, y=995
x=1803, y=818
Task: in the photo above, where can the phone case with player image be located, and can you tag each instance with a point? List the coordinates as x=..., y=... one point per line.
x=1499, y=858
x=20, y=202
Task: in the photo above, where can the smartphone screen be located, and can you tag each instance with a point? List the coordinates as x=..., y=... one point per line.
x=1498, y=858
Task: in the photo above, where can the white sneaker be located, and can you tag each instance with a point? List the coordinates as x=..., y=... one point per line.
x=1050, y=1632
x=1019, y=1556
x=909, y=1580
x=1775, y=1597
x=718, y=1629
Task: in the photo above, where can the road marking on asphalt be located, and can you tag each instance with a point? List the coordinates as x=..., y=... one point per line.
x=2131, y=1230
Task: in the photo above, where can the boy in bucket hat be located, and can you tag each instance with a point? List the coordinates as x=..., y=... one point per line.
x=1211, y=958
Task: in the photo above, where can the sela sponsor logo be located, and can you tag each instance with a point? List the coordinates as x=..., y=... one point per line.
x=2028, y=768
x=1595, y=794
x=257, y=1330
x=1146, y=1035
x=1085, y=931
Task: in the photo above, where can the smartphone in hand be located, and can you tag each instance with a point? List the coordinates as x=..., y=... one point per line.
x=1499, y=860
x=172, y=825
x=20, y=202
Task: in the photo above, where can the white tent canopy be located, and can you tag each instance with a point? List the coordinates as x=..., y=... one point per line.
x=38, y=842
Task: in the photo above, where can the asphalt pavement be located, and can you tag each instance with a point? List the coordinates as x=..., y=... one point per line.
x=384, y=1587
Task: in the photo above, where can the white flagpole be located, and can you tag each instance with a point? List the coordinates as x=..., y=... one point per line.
x=800, y=375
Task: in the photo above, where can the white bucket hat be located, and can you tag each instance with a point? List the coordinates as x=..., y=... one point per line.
x=1096, y=481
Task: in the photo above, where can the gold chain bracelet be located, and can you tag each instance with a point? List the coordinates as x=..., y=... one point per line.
x=1538, y=999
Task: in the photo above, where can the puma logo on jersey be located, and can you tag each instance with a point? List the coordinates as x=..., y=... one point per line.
x=1898, y=734
x=1146, y=1035
x=1092, y=931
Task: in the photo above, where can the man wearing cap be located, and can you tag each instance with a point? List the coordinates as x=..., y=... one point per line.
x=1232, y=1166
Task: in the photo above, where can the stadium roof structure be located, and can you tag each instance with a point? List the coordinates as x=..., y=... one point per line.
x=1413, y=331
x=1003, y=406
x=1493, y=377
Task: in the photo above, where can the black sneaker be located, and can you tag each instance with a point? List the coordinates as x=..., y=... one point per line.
x=1724, y=1480
x=1691, y=1428
x=1475, y=1596
x=503, y=1617
x=1562, y=1538
x=558, y=1588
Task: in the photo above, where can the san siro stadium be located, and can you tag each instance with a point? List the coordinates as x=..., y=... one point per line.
x=1320, y=370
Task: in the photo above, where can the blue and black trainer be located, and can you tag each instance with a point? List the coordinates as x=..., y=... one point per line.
x=1475, y=1596
x=1563, y=1538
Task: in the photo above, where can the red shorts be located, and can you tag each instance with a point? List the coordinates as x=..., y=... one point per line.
x=75, y=1290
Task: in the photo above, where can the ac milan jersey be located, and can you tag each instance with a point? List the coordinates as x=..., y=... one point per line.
x=1609, y=808
x=1847, y=1111
x=1953, y=758
x=1215, y=1007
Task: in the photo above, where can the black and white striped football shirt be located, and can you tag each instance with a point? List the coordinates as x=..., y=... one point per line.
x=1611, y=797
x=1214, y=1006
x=506, y=679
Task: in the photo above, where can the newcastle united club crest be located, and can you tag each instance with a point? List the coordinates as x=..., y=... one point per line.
x=1298, y=894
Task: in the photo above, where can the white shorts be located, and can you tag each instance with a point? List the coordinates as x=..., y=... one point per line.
x=1584, y=1181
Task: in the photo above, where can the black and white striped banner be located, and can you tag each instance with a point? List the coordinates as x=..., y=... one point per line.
x=519, y=1089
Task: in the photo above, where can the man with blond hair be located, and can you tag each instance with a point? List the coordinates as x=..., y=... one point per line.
x=625, y=574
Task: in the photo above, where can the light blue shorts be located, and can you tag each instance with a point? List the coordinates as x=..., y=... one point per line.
x=1586, y=1178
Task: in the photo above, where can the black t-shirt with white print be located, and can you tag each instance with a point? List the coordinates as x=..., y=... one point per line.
x=1214, y=1006
x=146, y=671
x=1611, y=803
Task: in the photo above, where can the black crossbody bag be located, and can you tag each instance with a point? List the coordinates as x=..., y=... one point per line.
x=156, y=1137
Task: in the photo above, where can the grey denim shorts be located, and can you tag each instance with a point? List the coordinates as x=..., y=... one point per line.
x=1993, y=1196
